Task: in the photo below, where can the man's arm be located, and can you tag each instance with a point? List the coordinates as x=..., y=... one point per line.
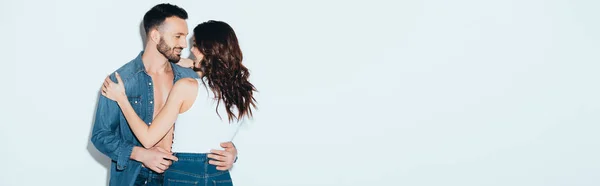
x=106, y=135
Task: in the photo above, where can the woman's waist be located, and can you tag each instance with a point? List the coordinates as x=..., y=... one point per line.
x=194, y=164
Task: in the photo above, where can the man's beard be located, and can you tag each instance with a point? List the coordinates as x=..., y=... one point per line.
x=168, y=52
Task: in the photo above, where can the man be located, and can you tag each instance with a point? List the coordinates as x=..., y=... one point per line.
x=149, y=78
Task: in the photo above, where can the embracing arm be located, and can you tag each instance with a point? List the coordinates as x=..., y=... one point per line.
x=164, y=120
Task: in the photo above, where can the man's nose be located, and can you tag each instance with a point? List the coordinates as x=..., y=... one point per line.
x=183, y=44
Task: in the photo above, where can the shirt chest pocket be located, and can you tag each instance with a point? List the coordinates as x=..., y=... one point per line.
x=136, y=102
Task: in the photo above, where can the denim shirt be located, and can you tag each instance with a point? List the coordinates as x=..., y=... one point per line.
x=111, y=134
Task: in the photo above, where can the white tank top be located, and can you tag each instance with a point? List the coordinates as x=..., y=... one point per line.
x=200, y=129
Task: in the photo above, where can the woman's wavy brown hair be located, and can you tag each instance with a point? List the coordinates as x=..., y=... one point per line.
x=222, y=67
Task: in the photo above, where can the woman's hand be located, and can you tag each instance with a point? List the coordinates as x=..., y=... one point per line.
x=114, y=91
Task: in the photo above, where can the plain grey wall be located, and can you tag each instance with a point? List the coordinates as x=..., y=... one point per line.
x=416, y=93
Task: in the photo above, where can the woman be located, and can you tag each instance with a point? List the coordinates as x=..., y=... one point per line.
x=198, y=107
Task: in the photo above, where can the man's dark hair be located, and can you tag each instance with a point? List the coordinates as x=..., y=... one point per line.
x=157, y=15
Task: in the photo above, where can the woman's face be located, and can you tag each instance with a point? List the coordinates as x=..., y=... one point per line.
x=199, y=56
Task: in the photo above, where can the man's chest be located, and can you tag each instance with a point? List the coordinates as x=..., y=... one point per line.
x=161, y=86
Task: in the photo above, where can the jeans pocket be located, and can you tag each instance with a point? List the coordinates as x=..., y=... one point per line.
x=222, y=183
x=178, y=182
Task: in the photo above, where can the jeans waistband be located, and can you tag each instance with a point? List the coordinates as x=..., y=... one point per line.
x=198, y=157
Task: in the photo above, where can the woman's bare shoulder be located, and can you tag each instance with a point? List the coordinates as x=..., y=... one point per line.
x=185, y=86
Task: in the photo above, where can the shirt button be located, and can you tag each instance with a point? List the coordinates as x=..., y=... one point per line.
x=150, y=84
x=150, y=102
x=134, y=101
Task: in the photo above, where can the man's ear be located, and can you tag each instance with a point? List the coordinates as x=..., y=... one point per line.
x=154, y=35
